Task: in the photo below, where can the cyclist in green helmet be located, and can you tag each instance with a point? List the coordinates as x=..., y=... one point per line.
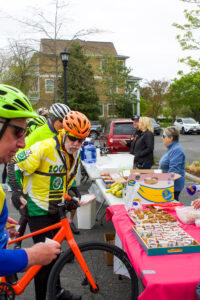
x=33, y=123
x=15, y=108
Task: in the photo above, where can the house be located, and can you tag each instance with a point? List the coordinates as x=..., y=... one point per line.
x=49, y=69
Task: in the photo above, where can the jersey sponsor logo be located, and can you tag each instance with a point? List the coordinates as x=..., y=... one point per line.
x=55, y=169
x=56, y=183
x=23, y=155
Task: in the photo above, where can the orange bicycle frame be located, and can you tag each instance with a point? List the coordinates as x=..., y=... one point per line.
x=64, y=232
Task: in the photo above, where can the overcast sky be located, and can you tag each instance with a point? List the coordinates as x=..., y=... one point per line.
x=140, y=29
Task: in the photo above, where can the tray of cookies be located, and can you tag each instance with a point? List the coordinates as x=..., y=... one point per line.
x=164, y=239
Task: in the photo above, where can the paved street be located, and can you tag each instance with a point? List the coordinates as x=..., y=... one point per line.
x=191, y=144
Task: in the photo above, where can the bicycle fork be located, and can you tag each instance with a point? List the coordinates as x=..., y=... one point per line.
x=74, y=247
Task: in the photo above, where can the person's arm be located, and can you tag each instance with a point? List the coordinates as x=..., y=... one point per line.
x=42, y=253
x=176, y=162
x=14, y=261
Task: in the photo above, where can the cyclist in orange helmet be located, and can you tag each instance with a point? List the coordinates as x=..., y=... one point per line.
x=50, y=166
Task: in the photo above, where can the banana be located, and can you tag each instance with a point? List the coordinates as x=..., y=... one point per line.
x=119, y=194
x=114, y=184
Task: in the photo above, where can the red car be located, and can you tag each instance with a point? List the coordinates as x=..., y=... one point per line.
x=115, y=130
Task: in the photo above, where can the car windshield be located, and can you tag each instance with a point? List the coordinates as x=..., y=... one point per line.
x=189, y=121
x=123, y=128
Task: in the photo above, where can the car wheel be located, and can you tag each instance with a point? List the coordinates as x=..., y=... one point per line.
x=183, y=131
x=93, y=135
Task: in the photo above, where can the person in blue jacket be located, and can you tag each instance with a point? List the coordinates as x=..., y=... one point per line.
x=15, y=108
x=173, y=161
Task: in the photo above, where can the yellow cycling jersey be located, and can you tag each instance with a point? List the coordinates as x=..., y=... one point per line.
x=48, y=172
x=2, y=198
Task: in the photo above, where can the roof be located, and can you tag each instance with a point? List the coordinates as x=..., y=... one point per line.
x=89, y=47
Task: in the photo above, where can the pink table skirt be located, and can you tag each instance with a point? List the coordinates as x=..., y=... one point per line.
x=175, y=276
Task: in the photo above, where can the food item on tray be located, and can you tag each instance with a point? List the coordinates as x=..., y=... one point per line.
x=10, y=226
x=151, y=180
x=151, y=215
x=163, y=235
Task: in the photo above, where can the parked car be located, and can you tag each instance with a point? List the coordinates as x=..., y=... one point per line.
x=115, y=130
x=156, y=127
x=95, y=129
x=187, y=125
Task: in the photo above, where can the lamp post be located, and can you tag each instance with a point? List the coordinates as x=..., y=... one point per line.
x=65, y=57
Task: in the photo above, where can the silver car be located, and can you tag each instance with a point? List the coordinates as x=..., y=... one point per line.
x=187, y=125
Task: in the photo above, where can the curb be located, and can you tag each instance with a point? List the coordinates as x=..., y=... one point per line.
x=192, y=177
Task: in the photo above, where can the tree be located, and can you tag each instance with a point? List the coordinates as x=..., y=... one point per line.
x=52, y=24
x=185, y=94
x=155, y=95
x=190, y=39
x=19, y=67
x=81, y=92
x=118, y=87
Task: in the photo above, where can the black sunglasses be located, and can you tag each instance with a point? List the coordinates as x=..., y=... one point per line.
x=74, y=139
x=18, y=131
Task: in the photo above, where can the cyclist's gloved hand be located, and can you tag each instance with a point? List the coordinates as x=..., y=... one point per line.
x=73, y=191
x=72, y=204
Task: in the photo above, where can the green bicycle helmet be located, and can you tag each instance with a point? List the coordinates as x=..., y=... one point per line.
x=39, y=121
x=14, y=104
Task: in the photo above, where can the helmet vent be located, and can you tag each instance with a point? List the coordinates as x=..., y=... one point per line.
x=19, y=102
x=9, y=107
x=3, y=92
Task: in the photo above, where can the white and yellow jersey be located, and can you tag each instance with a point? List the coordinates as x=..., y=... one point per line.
x=45, y=177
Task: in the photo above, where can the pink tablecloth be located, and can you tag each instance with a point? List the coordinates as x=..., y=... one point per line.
x=176, y=275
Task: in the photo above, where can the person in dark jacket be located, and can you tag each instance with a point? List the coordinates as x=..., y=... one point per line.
x=136, y=134
x=144, y=145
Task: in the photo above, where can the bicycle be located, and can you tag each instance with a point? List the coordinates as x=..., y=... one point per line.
x=88, y=273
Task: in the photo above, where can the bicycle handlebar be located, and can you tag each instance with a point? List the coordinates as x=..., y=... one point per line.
x=69, y=204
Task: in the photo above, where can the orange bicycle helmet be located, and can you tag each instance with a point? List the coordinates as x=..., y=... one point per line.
x=77, y=124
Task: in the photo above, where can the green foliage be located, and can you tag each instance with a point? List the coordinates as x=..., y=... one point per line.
x=155, y=95
x=185, y=93
x=118, y=87
x=81, y=93
x=20, y=68
x=143, y=107
x=189, y=40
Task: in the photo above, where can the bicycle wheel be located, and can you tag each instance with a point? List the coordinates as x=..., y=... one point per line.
x=111, y=286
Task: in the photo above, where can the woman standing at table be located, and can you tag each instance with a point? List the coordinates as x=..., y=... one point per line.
x=174, y=159
x=144, y=145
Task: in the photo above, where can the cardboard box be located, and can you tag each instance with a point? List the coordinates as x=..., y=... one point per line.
x=165, y=251
x=149, y=188
x=109, y=238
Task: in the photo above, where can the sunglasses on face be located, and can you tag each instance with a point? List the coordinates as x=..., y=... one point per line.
x=163, y=136
x=18, y=131
x=74, y=139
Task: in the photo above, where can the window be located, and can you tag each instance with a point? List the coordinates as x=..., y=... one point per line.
x=123, y=129
x=111, y=109
x=49, y=85
x=101, y=106
x=103, y=64
x=113, y=89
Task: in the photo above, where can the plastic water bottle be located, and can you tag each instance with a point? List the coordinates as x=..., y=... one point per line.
x=83, y=150
x=90, y=153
